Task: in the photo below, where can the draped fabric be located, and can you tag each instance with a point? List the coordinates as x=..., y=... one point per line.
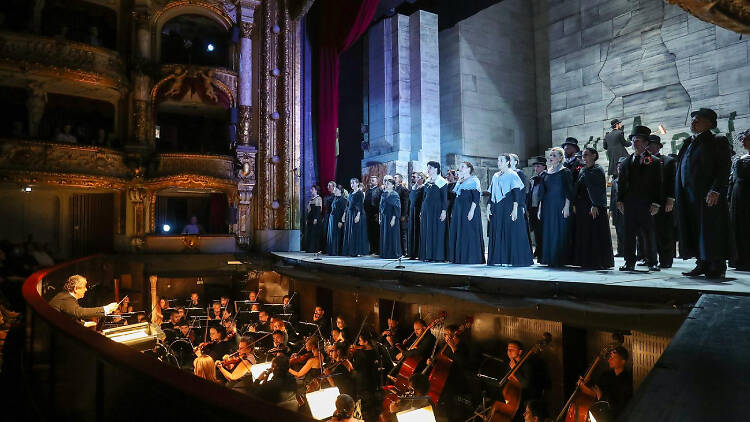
x=340, y=24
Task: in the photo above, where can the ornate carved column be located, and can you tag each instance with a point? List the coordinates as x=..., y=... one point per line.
x=245, y=186
x=141, y=117
x=137, y=197
x=35, y=103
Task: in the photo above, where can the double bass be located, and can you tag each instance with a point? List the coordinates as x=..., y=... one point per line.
x=576, y=409
x=441, y=366
x=505, y=410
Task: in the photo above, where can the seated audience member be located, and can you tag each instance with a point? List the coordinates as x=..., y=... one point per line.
x=193, y=227
x=66, y=136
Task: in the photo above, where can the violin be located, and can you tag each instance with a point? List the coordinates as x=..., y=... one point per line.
x=231, y=361
x=300, y=358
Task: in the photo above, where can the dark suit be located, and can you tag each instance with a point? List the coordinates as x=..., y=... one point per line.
x=403, y=194
x=532, y=205
x=639, y=187
x=372, y=211
x=703, y=165
x=574, y=166
x=618, y=220
x=67, y=304
x=664, y=221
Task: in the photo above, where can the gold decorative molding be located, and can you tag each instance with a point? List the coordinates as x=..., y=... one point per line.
x=244, y=125
x=192, y=242
x=24, y=178
x=218, y=166
x=733, y=15
x=172, y=9
x=246, y=29
x=191, y=181
x=63, y=60
x=223, y=79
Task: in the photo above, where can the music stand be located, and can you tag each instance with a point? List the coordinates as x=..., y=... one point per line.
x=195, y=312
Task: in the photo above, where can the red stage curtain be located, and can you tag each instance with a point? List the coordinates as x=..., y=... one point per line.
x=340, y=24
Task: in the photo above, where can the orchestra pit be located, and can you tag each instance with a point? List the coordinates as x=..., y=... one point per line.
x=374, y=210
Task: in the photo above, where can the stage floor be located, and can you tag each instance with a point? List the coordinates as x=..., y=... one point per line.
x=531, y=281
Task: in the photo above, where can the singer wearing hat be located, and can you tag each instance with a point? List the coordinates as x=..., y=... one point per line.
x=701, y=207
x=615, y=144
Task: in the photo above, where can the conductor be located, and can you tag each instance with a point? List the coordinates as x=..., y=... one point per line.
x=67, y=301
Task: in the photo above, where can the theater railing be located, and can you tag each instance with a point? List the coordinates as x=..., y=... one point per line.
x=74, y=373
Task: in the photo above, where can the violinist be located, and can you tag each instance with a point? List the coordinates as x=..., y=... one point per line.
x=125, y=306
x=195, y=301
x=281, y=387
x=203, y=366
x=225, y=305
x=218, y=346
x=254, y=297
x=392, y=336
x=279, y=346
x=215, y=312
x=366, y=364
x=340, y=368
x=236, y=370
x=345, y=332
x=319, y=319
x=425, y=347
x=181, y=312
x=263, y=323
x=311, y=368
x=614, y=386
x=278, y=325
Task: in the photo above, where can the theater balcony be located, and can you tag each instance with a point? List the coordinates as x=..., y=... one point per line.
x=62, y=66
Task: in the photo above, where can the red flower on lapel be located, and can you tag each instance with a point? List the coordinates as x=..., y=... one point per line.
x=646, y=160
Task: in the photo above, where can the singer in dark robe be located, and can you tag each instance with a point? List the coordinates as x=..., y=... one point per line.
x=532, y=203
x=372, y=205
x=466, y=242
x=403, y=194
x=618, y=220
x=433, y=216
x=415, y=209
x=355, y=229
x=327, y=203
x=390, y=221
x=592, y=225
x=335, y=230
x=739, y=208
x=664, y=224
x=452, y=178
x=554, y=211
x=702, y=211
x=314, y=222
x=508, y=242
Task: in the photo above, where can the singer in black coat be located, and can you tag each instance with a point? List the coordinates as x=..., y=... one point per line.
x=403, y=194
x=703, y=166
x=372, y=210
x=639, y=188
x=664, y=220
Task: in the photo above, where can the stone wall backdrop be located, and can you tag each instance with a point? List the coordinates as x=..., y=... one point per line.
x=639, y=60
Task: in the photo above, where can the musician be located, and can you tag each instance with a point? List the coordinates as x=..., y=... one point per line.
x=254, y=297
x=238, y=376
x=344, y=409
x=344, y=330
x=536, y=411
x=366, y=364
x=425, y=347
x=125, y=306
x=530, y=375
x=226, y=305
x=181, y=312
x=195, y=301
x=218, y=345
x=319, y=319
x=391, y=337
x=420, y=385
x=311, y=368
x=282, y=387
x=263, y=322
x=614, y=386
x=215, y=311
x=278, y=325
x=340, y=369
x=456, y=396
x=67, y=300
x=279, y=344
x=204, y=367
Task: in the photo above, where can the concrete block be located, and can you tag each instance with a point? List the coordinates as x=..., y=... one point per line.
x=590, y=74
x=702, y=87
x=566, y=82
x=723, y=105
x=597, y=33
x=564, y=45
x=558, y=101
x=582, y=58
x=563, y=9
x=693, y=43
x=584, y=95
x=572, y=24
x=695, y=24
x=596, y=112
x=568, y=117
x=730, y=57
x=725, y=37
x=734, y=80
x=674, y=27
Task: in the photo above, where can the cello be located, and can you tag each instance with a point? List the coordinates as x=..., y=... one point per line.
x=407, y=367
x=441, y=366
x=576, y=409
x=504, y=410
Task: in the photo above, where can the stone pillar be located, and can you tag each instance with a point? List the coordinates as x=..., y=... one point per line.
x=404, y=93
x=245, y=86
x=35, y=103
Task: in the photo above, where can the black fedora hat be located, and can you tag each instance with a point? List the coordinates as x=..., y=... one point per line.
x=642, y=131
x=538, y=160
x=571, y=141
x=615, y=122
x=707, y=113
x=655, y=139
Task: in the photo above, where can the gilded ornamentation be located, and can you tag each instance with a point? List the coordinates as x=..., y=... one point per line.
x=216, y=7
x=196, y=84
x=733, y=15
x=246, y=29
x=141, y=121
x=64, y=59
x=191, y=242
x=220, y=167
x=244, y=126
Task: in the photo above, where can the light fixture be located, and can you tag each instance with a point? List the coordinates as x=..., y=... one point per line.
x=322, y=402
x=166, y=228
x=259, y=368
x=210, y=47
x=424, y=414
x=27, y=189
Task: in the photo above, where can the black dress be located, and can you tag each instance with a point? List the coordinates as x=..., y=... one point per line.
x=314, y=225
x=592, y=235
x=390, y=236
x=432, y=230
x=355, y=234
x=415, y=207
x=466, y=241
x=334, y=233
x=555, y=189
x=739, y=211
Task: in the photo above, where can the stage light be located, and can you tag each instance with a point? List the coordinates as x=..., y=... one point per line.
x=424, y=414
x=166, y=228
x=210, y=47
x=323, y=402
x=27, y=189
x=259, y=368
